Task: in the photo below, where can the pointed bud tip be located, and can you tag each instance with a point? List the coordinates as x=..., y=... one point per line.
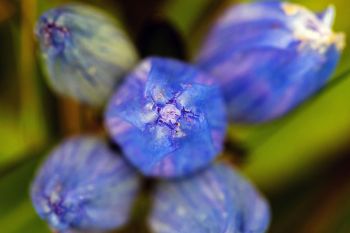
x=328, y=16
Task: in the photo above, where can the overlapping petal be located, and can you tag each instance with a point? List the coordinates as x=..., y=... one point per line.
x=168, y=117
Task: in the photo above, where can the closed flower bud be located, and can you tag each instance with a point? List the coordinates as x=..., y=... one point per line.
x=85, y=52
x=168, y=118
x=268, y=57
x=83, y=186
x=217, y=200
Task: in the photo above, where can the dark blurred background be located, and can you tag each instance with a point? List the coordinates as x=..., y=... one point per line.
x=301, y=162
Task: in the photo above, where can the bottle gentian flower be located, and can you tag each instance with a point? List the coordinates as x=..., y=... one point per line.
x=268, y=57
x=217, y=200
x=168, y=118
x=85, y=52
x=84, y=186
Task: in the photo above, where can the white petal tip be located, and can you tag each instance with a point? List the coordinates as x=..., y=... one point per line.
x=328, y=15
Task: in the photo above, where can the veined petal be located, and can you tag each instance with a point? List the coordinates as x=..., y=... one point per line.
x=169, y=118
x=217, y=200
x=84, y=186
x=85, y=52
x=269, y=57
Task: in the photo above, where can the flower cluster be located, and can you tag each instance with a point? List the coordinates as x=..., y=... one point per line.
x=170, y=118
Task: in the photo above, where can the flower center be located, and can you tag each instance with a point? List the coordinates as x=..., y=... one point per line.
x=170, y=116
x=170, y=113
x=54, y=35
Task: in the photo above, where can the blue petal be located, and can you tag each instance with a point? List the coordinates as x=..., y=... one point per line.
x=269, y=57
x=217, y=200
x=85, y=52
x=169, y=119
x=83, y=185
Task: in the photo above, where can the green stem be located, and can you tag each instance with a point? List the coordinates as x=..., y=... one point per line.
x=31, y=115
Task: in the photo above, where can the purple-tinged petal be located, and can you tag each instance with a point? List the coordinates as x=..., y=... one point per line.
x=83, y=185
x=216, y=200
x=85, y=52
x=168, y=117
x=269, y=57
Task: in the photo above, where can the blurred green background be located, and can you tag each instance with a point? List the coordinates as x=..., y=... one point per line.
x=300, y=162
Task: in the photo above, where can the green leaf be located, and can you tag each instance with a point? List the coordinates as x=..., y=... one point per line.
x=10, y=137
x=193, y=19
x=17, y=214
x=284, y=150
x=185, y=14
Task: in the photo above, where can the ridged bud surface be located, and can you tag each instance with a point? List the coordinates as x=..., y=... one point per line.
x=169, y=118
x=268, y=57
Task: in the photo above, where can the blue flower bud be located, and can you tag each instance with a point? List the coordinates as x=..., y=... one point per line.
x=85, y=52
x=270, y=56
x=84, y=186
x=218, y=200
x=169, y=118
